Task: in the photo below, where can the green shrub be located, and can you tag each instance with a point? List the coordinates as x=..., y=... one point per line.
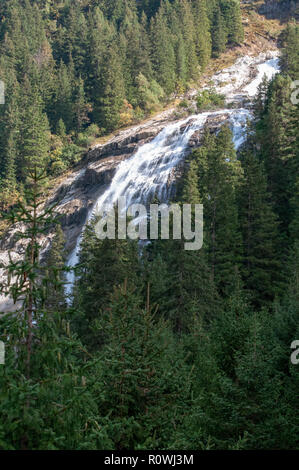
x=208, y=99
x=184, y=104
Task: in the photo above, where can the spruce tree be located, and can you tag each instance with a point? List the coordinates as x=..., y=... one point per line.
x=188, y=32
x=233, y=21
x=35, y=137
x=54, y=268
x=111, y=100
x=63, y=100
x=163, y=56
x=289, y=60
x=10, y=141
x=261, y=263
x=219, y=176
x=81, y=108
x=202, y=33
x=43, y=381
x=104, y=264
x=143, y=369
x=219, y=33
x=277, y=136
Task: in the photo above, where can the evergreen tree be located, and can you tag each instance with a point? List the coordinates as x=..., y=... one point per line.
x=43, y=382
x=276, y=134
x=191, y=193
x=63, y=100
x=233, y=21
x=181, y=61
x=219, y=175
x=203, y=34
x=163, y=56
x=188, y=32
x=54, y=267
x=219, y=33
x=187, y=290
x=118, y=260
x=10, y=127
x=81, y=108
x=262, y=267
x=35, y=137
x=144, y=371
x=289, y=61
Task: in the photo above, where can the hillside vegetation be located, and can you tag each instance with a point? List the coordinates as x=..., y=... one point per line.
x=160, y=348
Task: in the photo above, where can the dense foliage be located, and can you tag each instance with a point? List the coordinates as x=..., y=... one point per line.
x=74, y=70
x=168, y=349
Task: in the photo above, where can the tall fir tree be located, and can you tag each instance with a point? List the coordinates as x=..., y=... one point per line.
x=261, y=263
x=111, y=100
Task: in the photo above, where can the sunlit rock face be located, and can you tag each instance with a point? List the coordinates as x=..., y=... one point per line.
x=146, y=159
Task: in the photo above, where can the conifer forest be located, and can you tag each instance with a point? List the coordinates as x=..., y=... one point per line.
x=121, y=344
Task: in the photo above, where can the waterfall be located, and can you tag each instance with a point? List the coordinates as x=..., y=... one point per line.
x=146, y=173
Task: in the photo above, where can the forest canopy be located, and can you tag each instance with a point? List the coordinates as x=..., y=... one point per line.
x=74, y=70
x=158, y=348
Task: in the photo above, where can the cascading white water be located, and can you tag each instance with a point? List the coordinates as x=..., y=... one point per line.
x=147, y=172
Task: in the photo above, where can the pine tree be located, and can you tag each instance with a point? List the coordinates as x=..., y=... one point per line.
x=109, y=104
x=219, y=175
x=233, y=20
x=35, y=137
x=261, y=268
x=63, y=100
x=118, y=259
x=54, y=267
x=202, y=32
x=143, y=369
x=163, y=56
x=81, y=108
x=289, y=60
x=219, y=33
